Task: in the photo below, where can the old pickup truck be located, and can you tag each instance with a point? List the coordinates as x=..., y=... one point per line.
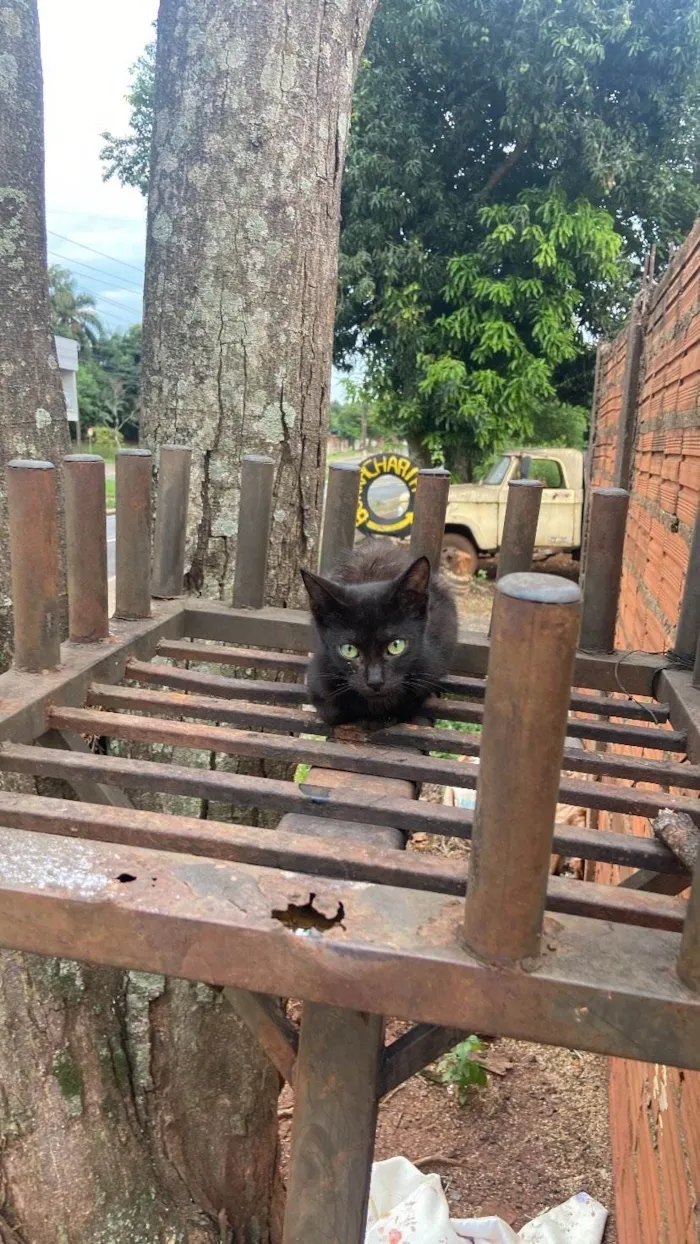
x=476, y=512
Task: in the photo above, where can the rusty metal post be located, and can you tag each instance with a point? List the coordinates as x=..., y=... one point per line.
x=253, y=539
x=340, y=514
x=688, y=628
x=33, y=520
x=520, y=526
x=601, y=587
x=133, y=549
x=533, y=645
x=689, y=957
x=171, y=521
x=428, y=528
x=86, y=548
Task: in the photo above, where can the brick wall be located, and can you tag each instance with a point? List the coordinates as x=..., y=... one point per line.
x=654, y=1111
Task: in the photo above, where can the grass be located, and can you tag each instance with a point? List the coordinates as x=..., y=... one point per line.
x=110, y=493
x=462, y=727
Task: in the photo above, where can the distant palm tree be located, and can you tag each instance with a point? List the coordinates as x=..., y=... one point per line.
x=73, y=313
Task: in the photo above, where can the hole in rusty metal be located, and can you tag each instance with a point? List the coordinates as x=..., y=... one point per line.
x=306, y=916
x=124, y=877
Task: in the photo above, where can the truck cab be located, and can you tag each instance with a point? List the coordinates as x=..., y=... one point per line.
x=476, y=512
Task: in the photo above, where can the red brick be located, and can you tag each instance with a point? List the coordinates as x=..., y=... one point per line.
x=690, y=1121
x=676, y=1197
x=689, y=474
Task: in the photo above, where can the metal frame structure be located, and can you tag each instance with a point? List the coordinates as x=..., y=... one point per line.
x=329, y=908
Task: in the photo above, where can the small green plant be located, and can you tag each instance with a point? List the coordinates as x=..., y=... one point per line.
x=462, y=1068
x=302, y=772
x=461, y=727
x=481, y=575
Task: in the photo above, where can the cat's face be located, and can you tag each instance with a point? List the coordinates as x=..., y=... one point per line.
x=372, y=633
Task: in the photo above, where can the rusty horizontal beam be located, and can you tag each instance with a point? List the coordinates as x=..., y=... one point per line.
x=375, y=807
x=385, y=762
x=632, y=673
x=394, y=949
x=283, y=693
x=349, y=858
x=24, y=698
x=676, y=686
x=470, y=688
x=291, y=720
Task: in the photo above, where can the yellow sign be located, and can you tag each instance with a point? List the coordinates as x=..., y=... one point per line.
x=369, y=519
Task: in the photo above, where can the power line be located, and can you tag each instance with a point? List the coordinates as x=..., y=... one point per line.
x=82, y=246
x=78, y=263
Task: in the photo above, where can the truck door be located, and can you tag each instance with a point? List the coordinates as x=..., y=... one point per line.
x=555, y=528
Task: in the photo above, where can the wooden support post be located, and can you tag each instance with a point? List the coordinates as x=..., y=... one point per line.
x=253, y=539
x=428, y=527
x=601, y=587
x=264, y=1017
x=133, y=546
x=171, y=521
x=688, y=628
x=86, y=548
x=535, y=624
x=520, y=526
x=340, y=514
x=689, y=957
x=31, y=504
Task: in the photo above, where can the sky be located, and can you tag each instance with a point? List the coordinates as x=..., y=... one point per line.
x=87, y=48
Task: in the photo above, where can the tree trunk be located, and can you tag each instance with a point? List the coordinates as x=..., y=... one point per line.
x=418, y=452
x=133, y=1110
x=251, y=123
x=33, y=420
x=459, y=461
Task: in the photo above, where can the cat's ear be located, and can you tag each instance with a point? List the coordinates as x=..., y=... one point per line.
x=325, y=597
x=415, y=581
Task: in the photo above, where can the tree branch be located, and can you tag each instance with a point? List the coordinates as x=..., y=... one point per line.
x=499, y=173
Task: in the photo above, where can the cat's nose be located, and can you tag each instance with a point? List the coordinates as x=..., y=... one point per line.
x=375, y=677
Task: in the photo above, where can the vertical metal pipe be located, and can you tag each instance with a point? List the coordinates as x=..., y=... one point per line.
x=520, y=526
x=171, y=521
x=533, y=645
x=688, y=628
x=133, y=546
x=601, y=587
x=432, y=488
x=340, y=514
x=33, y=520
x=689, y=956
x=86, y=547
x=253, y=540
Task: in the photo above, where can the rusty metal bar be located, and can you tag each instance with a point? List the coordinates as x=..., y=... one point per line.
x=601, y=587
x=630, y=390
x=266, y=1020
x=241, y=658
x=632, y=673
x=535, y=624
x=413, y=1051
x=33, y=520
x=314, y=799
x=347, y=856
x=133, y=546
x=340, y=514
x=170, y=536
x=688, y=628
x=396, y=949
x=86, y=547
x=520, y=526
x=387, y=762
x=253, y=535
x=470, y=688
x=689, y=955
x=428, y=529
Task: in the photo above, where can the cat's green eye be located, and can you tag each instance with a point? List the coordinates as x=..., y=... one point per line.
x=349, y=651
x=396, y=647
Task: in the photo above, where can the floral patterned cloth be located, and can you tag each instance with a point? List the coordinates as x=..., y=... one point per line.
x=408, y=1207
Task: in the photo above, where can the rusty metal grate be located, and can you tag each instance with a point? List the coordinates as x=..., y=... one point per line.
x=327, y=907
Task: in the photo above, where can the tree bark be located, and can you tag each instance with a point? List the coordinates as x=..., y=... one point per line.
x=33, y=422
x=252, y=114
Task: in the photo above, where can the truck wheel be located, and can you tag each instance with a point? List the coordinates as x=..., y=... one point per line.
x=459, y=557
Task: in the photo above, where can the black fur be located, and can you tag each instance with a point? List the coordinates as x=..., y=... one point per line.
x=378, y=594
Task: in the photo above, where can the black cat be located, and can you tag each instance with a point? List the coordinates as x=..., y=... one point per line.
x=385, y=632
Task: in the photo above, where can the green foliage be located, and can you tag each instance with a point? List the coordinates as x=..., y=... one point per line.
x=559, y=424
x=509, y=163
x=129, y=158
x=73, y=313
x=462, y=1068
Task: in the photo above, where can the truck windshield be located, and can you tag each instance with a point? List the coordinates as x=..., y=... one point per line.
x=498, y=471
